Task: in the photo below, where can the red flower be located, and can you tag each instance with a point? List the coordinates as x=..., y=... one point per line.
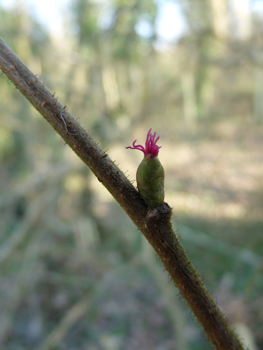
x=150, y=145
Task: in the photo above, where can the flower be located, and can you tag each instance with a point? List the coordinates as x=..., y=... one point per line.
x=150, y=148
x=150, y=172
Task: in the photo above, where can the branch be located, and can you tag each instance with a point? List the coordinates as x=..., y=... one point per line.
x=154, y=224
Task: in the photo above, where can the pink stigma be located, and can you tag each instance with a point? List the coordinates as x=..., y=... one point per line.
x=150, y=145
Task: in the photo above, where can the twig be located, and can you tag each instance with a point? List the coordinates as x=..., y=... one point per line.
x=77, y=311
x=28, y=272
x=33, y=182
x=154, y=224
x=20, y=234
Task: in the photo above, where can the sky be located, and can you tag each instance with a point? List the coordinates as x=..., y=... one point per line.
x=170, y=24
x=47, y=12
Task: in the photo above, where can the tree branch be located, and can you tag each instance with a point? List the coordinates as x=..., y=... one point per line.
x=154, y=224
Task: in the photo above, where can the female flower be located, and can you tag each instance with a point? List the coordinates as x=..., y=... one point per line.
x=150, y=173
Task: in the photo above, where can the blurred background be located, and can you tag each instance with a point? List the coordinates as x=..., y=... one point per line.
x=74, y=271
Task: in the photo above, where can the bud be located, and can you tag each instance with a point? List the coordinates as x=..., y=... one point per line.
x=150, y=173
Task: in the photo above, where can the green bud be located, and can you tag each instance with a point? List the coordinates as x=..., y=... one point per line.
x=150, y=173
x=150, y=181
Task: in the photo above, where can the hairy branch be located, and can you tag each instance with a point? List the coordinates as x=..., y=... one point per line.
x=154, y=224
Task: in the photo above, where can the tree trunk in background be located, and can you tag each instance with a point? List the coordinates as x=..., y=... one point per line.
x=189, y=98
x=220, y=18
x=241, y=19
x=258, y=94
x=110, y=88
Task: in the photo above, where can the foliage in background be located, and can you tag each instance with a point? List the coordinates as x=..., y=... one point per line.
x=74, y=271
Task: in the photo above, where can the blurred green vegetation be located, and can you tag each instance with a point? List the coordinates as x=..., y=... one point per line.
x=75, y=272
